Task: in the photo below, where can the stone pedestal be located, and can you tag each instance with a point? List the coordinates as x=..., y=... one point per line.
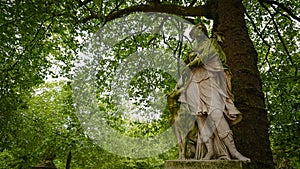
x=205, y=164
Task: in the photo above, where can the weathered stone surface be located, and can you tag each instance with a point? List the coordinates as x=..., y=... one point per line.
x=205, y=164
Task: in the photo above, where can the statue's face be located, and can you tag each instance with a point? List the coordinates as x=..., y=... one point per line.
x=198, y=37
x=198, y=31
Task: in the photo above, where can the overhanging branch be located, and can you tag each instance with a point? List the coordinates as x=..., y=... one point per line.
x=287, y=10
x=163, y=8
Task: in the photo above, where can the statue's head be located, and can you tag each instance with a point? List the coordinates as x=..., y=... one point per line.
x=198, y=31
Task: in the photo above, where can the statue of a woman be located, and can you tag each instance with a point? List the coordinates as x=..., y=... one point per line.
x=205, y=87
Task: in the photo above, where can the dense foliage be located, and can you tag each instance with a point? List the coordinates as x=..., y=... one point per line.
x=40, y=39
x=276, y=36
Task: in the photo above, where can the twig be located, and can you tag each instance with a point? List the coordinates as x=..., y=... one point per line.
x=280, y=37
x=287, y=10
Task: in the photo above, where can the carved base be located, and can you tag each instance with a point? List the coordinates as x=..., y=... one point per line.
x=205, y=164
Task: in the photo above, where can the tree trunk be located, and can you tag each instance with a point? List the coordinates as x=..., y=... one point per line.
x=251, y=135
x=68, y=164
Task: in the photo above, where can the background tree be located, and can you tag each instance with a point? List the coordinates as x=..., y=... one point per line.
x=36, y=35
x=275, y=28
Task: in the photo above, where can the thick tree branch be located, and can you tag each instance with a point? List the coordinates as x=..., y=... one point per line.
x=287, y=10
x=163, y=8
x=90, y=17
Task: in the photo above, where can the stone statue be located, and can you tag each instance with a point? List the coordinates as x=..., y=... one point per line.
x=203, y=100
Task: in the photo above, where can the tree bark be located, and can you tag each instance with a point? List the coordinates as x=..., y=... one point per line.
x=251, y=135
